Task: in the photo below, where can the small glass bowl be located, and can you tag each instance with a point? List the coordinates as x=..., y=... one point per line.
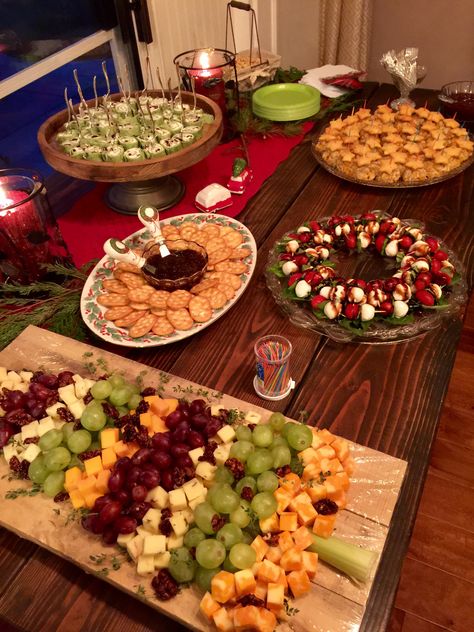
x=458, y=98
x=182, y=283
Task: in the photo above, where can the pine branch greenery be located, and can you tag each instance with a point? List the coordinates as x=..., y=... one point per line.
x=51, y=304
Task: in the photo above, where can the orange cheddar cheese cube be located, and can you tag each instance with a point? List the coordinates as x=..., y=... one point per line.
x=299, y=583
x=310, y=563
x=344, y=479
x=90, y=498
x=311, y=471
x=266, y=620
x=299, y=500
x=86, y=485
x=339, y=498
x=260, y=547
x=121, y=449
x=333, y=484
x=308, y=456
x=316, y=492
x=245, y=618
x=283, y=498
x=326, y=436
x=223, y=620
x=275, y=597
x=331, y=465
x=341, y=446
x=302, y=538
x=102, y=481
x=317, y=441
x=324, y=525
x=269, y=524
x=108, y=458
x=208, y=605
x=326, y=452
x=348, y=465
x=274, y=554
x=145, y=419
x=71, y=478
x=268, y=571
x=93, y=466
x=245, y=582
x=306, y=514
x=285, y=541
x=291, y=482
x=261, y=589
x=288, y=521
x=158, y=424
x=77, y=499
x=223, y=586
x=291, y=560
x=108, y=437
x=282, y=580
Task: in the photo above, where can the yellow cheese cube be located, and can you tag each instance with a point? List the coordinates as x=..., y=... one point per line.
x=348, y=465
x=283, y=498
x=269, y=524
x=102, y=481
x=291, y=560
x=275, y=596
x=326, y=452
x=87, y=485
x=108, y=458
x=310, y=563
x=333, y=485
x=261, y=589
x=324, y=525
x=291, y=482
x=306, y=513
x=90, y=498
x=77, y=499
x=268, y=571
x=145, y=419
x=108, y=437
x=331, y=465
x=223, y=620
x=71, y=478
x=260, y=547
x=223, y=586
x=208, y=605
x=345, y=483
x=288, y=521
x=274, y=554
x=317, y=441
x=312, y=472
x=326, y=436
x=316, y=492
x=120, y=448
x=285, y=541
x=302, y=538
x=145, y=565
x=93, y=466
x=299, y=583
x=299, y=500
x=157, y=424
x=308, y=456
x=342, y=448
x=244, y=582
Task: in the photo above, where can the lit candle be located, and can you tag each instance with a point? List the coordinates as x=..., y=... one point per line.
x=209, y=81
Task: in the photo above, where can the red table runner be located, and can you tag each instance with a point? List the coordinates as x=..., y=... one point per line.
x=90, y=222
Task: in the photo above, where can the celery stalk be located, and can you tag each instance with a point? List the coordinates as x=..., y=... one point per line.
x=352, y=560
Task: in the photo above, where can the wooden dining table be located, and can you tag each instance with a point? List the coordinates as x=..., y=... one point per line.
x=384, y=396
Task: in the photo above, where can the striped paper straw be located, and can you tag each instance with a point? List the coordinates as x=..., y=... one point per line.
x=273, y=355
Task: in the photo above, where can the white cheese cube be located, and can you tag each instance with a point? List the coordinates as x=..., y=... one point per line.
x=31, y=452
x=146, y=564
x=67, y=394
x=90, y=383
x=174, y=541
x=216, y=409
x=205, y=470
x=52, y=411
x=142, y=531
x=221, y=453
x=162, y=560
x=10, y=384
x=77, y=378
x=135, y=547
x=22, y=386
x=124, y=538
x=77, y=408
x=158, y=497
x=179, y=524
x=177, y=499
x=45, y=425
x=30, y=431
x=58, y=423
x=275, y=595
x=9, y=451
x=154, y=544
x=25, y=376
x=192, y=489
x=14, y=376
x=197, y=501
x=151, y=520
x=3, y=374
x=81, y=389
x=226, y=433
x=252, y=417
x=195, y=454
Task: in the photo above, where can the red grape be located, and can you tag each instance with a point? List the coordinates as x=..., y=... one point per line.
x=125, y=524
x=50, y=381
x=199, y=421
x=122, y=496
x=101, y=502
x=195, y=439
x=65, y=378
x=167, y=480
x=92, y=523
x=197, y=406
x=109, y=536
x=161, y=441
x=123, y=463
x=138, y=510
x=150, y=479
x=173, y=419
x=110, y=512
x=139, y=493
x=180, y=435
x=16, y=399
x=141, y=457
x=132, y=476
x=185, y=461
x=161, y=459
x=116, y=480
x=40, y=391
x=179, y=449
x=6, y=431
x=184, y=409
x=213, y=426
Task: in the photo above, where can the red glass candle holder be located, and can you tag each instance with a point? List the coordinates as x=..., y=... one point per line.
x=29, y=234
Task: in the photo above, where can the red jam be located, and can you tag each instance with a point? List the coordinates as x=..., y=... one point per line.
x=178, y=264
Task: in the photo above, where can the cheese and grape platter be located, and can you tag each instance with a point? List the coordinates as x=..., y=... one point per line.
x=218, y=513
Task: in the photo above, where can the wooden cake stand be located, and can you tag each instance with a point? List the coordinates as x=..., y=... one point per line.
x=135, y=183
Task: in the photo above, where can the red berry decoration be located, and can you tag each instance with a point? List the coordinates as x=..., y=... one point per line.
x=425, y=298
x=351, y=311
x=405, y=242
x=432, y=243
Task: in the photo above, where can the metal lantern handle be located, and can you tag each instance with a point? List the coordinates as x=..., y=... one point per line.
x=244, y=6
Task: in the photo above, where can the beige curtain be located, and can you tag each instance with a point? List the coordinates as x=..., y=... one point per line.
x=345, y=32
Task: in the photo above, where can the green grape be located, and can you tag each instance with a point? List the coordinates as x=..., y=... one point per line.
x=101, y=389
x=134, y=400
x=228, y=566
x=57, y=459
x=279, y=440
x=182, y=566
x=120, y=396
x=37, y=472
x=210, y=553
x=212, y=491
x=300, y=437
x=223, y=475
x=240, y=517
x=67, y=430
x=79, y=441
x=262, y=436
x=243, y=433
x=50, y=440
x=286, y=427
x=95, y=445
x=277, y=421
x=76, y=462
x=117, y=381
x=226, y=500
x=193, y=537
x=241, y=450
x=122, y=410
x=281, y=456
x=203, y=577
x=203, y=515
x=246, y=481
x=242, y=555
x=93, y=418
x=267, y=482
x=260, y=461
x=247, y=538
x=54, y=483
x=229, y=535
x=264, y=504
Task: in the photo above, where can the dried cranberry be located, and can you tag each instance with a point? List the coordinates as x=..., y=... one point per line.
x=179, y=476
x=251, y=426
x=217, y=522
x=164, y=585
x=165, y=527
x=251, y=600
x=65, y=415
x=129, y=433
x=88, y=397
x=19, y=417
x=142, y=437
x=326, y=507
x=148, y=391
x=142, y=407
x=89, y=454
x=36, y=375
x=110, y=410
x=236, y=468
x=19, y=467
x=246, y=493
x=271, y=538
x=31, y=440
x=192, y=552
x=283, y=471
x=166, y=513
x=77, y=425
x=209, y=453
x=128, y=420
x=65, y=378
x=52, y=399
x=61, y=497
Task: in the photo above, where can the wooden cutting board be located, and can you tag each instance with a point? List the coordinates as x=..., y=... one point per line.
x=335, y=602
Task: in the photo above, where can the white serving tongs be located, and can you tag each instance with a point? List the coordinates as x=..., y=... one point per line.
x=150, y=217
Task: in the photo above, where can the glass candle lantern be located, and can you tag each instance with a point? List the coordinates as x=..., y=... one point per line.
x=29, y=234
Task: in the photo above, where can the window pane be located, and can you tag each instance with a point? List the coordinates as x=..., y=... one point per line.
x=22, y=112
